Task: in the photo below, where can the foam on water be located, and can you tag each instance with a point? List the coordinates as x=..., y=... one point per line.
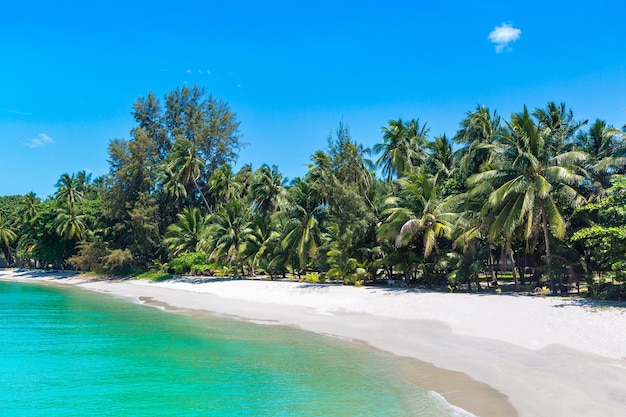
x=452, y=409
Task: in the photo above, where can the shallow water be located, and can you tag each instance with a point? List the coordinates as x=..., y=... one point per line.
x=69, y=352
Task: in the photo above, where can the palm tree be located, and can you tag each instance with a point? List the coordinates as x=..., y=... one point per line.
x=229, y=229
x=172, y=187
x=68, y=189
x=302, y=235
x=401, y=148
x=29, y=208
x=83, y=181
x=418, y=210
x=188, y=233
x=470, y=232
x=223, y=186
x=345, y=268
x=69, y=223
x=602, y=146
x=186, y=162
x=533, y=180
x=7, y=237
x=441, y=157
x=266, y=187
x=259, y=244
x=478, y=131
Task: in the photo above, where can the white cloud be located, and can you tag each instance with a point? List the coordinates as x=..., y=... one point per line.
x=41, y=140
x=503, y=35
x=199, y=71
x=21, y=113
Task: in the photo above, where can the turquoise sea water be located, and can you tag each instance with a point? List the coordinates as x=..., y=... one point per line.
x=69, y=352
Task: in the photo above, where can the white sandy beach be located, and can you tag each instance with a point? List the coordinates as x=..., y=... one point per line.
x=549, y=356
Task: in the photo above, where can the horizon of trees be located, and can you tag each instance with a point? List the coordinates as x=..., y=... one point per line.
x=539, y=194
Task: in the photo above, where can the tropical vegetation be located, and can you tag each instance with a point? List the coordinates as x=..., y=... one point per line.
x=538, y=199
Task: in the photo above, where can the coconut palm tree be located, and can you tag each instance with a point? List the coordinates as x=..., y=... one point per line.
x=186, y=162
x=602, y=144
x=223, y=186
x=172, y=187
x=478, y=131
x=402, y=147
x=188, y=233
x=7, y=237
x=417, y=211
x=533, y=181
x=229, y=229
x=69, y=222
x=266, y=187
x=83, y=182
x=260, y=242
x=29, y=208
x=68, y=189
x=441, y=157
x=302, y=234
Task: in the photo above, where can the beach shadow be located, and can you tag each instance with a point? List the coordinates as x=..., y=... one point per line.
x=51, y=274
x=201, y=279
x=585, y=302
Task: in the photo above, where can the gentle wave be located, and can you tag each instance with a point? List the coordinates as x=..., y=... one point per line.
x=453, y=409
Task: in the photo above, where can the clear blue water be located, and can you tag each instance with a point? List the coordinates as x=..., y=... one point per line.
x=69, y=352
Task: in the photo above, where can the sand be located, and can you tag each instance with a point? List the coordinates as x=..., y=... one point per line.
x=497, y=355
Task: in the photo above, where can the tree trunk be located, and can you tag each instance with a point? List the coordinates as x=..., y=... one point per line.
x=544, y=224
x=206, y=203
x=7, y=255
x=477, y=280
x=494, y=275
x=513, y=268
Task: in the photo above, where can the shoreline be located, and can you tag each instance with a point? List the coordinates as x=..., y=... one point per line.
x=503, y=354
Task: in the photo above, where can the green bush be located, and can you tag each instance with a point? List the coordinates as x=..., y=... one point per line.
x=118, y=261
x=191, y=262
x=312, y=277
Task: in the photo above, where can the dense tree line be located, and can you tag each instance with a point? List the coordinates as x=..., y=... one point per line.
x=541, y=195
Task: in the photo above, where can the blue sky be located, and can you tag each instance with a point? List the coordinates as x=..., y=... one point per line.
x=70, y=71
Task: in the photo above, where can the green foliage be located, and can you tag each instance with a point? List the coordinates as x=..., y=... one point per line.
x=402, y=148
x=606, y=239
x=10, y=208
x=344, y=268
x=418, y=211
x=196, y=262
x=312, y=278
x=154, y=275
x=188, y=233
x=90, y=256
x=118, y=261
x=302, y=234
x=437, y=213
x=229, y=230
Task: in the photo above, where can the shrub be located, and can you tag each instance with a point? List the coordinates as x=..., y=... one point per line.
x=312, y=277
x=191, y=261
x=90, y=256
x=118, y=261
